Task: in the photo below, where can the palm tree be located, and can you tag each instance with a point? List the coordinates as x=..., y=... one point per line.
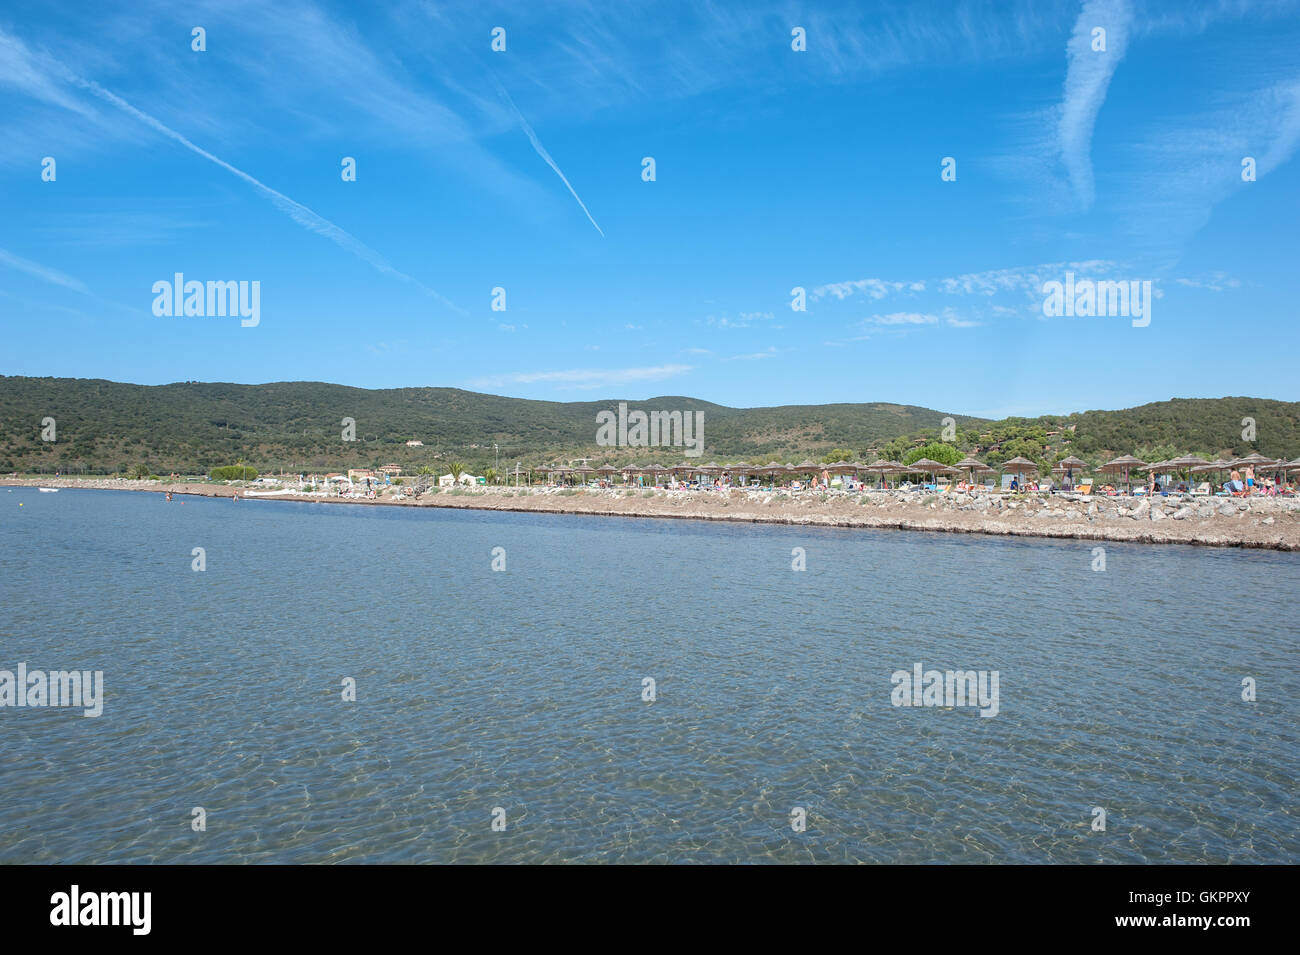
x=490, y=475
x=457, y=469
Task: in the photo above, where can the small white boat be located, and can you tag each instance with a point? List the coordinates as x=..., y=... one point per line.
x=48, y=490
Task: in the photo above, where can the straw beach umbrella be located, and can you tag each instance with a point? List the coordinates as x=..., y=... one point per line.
x=883, y=467
x=840, y=467
x=927, y=466
x=1020, y=466
x=1123, y=465
x=1217, y=466
x=771, y=469
x=1255, y=460
x=1285, y=466
x=1188, y=463
x=971, y=465
x=1155, y=468
x=1069, y=466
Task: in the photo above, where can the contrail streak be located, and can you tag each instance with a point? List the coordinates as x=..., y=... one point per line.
x=43, y=272
x=295, y=210
x=541, y=151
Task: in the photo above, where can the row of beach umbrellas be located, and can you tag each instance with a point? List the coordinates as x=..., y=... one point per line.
x=1123, y=466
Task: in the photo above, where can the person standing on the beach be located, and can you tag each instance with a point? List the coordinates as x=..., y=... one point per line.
x=1250, y=476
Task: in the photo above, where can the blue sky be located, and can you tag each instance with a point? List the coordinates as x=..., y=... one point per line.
x=775, y=169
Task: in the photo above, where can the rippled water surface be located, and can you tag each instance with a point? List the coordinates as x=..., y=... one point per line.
x=523, y=690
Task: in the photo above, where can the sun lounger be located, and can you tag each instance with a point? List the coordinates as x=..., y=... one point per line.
x=1085, y=489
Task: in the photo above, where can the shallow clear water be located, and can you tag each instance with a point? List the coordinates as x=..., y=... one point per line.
x=523, y=690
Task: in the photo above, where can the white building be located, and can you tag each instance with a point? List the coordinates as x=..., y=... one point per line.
x=447, y=480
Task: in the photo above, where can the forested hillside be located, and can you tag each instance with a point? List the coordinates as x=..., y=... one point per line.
x=191, y=427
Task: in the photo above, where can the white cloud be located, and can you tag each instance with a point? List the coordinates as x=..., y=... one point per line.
x=42, y=272
x=1087, y=78
x=986, y=283
x=904, y=318
x=876, y=288
x=753, y=356
x=1219, y=282
x=1285, y=100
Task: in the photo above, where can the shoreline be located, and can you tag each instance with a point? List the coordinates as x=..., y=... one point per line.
x=1257, y=523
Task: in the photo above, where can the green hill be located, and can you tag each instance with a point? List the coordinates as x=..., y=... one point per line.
x=189, y=427
x=108, y=427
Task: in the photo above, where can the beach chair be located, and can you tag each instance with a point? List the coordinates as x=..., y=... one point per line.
x=1202, y=488
x=1085, y=488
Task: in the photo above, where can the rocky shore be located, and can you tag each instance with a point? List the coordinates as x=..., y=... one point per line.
x=1260, y=522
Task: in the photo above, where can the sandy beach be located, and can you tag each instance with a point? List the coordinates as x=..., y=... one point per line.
x=1257, y=522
